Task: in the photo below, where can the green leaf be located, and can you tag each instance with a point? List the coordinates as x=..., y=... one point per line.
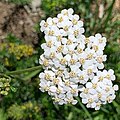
x=13, y=89
x=31, y=74
x=2, y=115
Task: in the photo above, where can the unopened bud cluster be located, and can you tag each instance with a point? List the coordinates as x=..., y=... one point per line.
x=18, y=50
x=4, y=85
x=73, y=63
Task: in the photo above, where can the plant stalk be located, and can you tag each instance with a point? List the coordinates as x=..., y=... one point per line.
x=83, y=107
x=24, y=70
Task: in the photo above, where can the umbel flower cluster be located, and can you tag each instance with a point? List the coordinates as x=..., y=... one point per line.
x=74, y=64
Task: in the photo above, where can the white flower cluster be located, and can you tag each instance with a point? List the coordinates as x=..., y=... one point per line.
x=99, y=90
x=73, y=62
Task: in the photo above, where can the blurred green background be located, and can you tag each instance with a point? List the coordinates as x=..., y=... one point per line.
x=24, y=101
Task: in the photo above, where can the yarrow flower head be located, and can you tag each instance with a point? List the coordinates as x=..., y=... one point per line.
x=73, y=63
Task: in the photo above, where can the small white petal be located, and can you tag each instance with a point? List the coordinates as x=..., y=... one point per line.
x=74, y=102
x=98, y=36
x=93, y=105
x=113, y=77
x=88, y=105
x=111, y=71
x=97, y=108
x=88, y=85
x=115, y=87
x=41, y=75
x=70, y=11
x=101, y=66
x=92, y=91
x=84, y=101
x=53, y=89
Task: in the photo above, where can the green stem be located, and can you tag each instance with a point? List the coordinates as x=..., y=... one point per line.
x=83, y=107
x=24, y=70
x=109, y=12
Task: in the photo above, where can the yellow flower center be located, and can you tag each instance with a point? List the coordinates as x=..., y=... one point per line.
x=69, y=42
x=72, y=61
x=55, y=81
x=59, y=91
x=73, y=91
x=107, y=89
x=59, y=73
x=65, y=28
x=67, y=83
x=60, y=19
x=100, y=78
x=45, y=62
x=99, y=59
x=90, y=100
x=95, y=47
x=59, y=37
x=51, y=32
x=76, y=32
x=47, y=88
x=70, y=52
x=108, y=99
x=99, y=95
x=52, y=55
x=45, y=24
x=107, y=76
x=49, y=43
x=94, y=86
x=81, y=77
x=90, y=56
x=74, y=21
x=70, y=100
x=89, y=71
x=82, y=60
x=47, y=76
x=72, y=74
x=87, y=40
x=98, y=104
x=85, y=91
x=63, y=61
x=100, y=41
x=79, y=50
x=66, y=13
x=56, y=99
x=60, y=48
